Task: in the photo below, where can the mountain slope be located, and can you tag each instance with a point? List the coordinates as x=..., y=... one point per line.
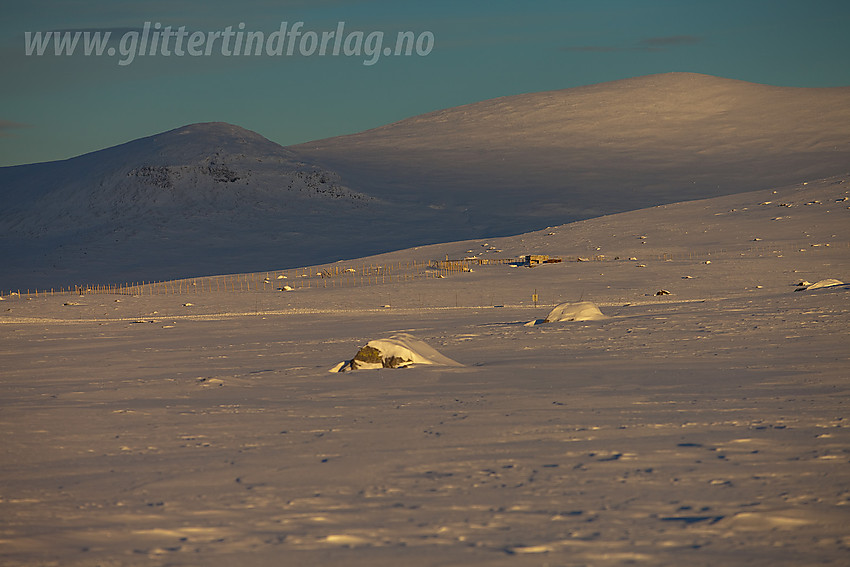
x=197, y=169
x=545, y=158
x=216, y=198
x=205, y=198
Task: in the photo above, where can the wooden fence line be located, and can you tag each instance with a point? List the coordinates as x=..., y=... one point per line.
x=346, y=276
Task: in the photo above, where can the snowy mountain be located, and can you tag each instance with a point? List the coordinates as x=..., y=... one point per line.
x=551, y=157
x=205, y=198
x=216, y=198
x=202, y=169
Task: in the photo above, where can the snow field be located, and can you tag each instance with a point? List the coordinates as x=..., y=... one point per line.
x=706, y=427
x=699, y=433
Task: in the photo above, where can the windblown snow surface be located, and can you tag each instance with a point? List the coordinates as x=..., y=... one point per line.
x=705, y=427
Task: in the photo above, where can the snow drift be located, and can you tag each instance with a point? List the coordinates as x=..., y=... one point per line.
x=581, y=311
x=398, y=351
x=829, y=282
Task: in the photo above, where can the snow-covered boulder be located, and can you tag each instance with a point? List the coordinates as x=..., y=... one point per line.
x=829, y=282
x=581, y=311
x=397, y=351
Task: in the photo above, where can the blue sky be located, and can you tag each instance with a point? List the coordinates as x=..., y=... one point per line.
x=56, y=107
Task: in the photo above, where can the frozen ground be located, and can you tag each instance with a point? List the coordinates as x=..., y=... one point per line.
x=705, y=427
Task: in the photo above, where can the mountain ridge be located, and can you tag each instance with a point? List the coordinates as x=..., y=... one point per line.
x=680, y=127
x=203, y=166
x=217, y=198
x=691, y=87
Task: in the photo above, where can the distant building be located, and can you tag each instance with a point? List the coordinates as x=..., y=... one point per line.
x=537, y=259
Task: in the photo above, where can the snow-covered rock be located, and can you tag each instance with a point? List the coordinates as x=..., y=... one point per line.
x=581, y=311
x=829, y=282
x=398, y=351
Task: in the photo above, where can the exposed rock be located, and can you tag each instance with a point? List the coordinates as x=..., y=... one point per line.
x=829, y=282
x=398, y=351
x=369, y=357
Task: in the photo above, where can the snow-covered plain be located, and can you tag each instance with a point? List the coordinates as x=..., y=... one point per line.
x=704, y=427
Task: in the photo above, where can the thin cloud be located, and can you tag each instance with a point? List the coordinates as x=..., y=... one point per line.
x=649, y=44
x=670, y=41
x=7, y=127
x=593, y=48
